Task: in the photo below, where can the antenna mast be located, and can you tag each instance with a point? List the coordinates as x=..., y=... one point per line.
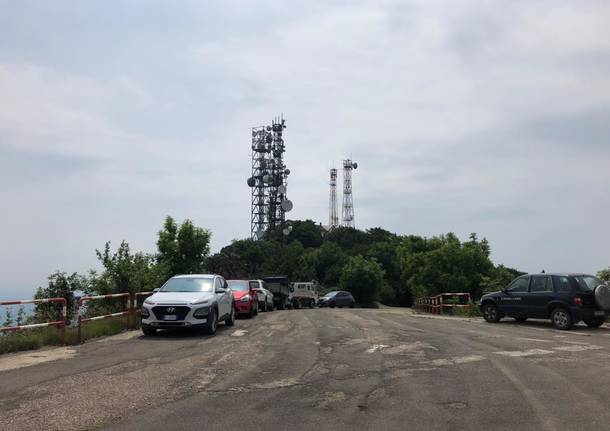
x=333, y=217
x=348, y=200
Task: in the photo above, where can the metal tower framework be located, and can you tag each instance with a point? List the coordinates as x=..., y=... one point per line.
x=348, y=199
x=333, y=217
x=269, y=202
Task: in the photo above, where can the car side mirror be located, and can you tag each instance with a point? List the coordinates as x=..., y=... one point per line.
x=156, y=290
x=220, y=290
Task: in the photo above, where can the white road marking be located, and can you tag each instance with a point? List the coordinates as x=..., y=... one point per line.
x=577, y=348
x=376, y=347
x=522, y=353
x=239, y=333
x=457, y=360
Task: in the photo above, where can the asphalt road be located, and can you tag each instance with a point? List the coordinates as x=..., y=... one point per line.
x=320, y=369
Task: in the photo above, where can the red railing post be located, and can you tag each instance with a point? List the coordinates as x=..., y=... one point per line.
x=64, y=318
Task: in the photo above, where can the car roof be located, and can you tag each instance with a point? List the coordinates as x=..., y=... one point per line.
x=195, y=276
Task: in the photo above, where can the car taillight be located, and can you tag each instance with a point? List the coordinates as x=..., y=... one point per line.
x=578, y=300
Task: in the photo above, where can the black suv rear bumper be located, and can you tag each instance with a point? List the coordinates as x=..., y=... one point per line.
x=581, y=313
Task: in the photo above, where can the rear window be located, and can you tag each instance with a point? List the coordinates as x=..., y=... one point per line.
x=238, y=285
x=587, y=282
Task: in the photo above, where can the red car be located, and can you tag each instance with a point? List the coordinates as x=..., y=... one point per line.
x=245, y=298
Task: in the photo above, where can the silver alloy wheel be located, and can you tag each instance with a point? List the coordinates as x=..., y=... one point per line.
x=490, y=312
x=560, y=318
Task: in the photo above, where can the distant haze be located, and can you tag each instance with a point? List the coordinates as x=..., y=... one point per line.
x=466, y=116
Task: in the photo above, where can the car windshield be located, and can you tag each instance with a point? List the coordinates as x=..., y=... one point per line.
x=238, y=285
x=587, y=282
x=188, y=285
x=330, y=294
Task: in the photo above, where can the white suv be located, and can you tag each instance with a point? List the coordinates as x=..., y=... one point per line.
x=189, y=301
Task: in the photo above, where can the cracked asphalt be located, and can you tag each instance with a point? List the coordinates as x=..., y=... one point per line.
x=323, y=369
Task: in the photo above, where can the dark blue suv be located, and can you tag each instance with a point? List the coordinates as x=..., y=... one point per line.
x=566, y=299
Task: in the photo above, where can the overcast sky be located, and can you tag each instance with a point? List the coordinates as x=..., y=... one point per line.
x=464, y=116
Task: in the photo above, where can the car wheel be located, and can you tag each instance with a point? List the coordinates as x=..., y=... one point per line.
x=264, y=306
x=256, y=308
x=312, y=304
x=332, y=305
x=210, y=328
x=491, y=313
x=147, y=330
x=562, y=319
x=520, y=319
x=230, y=321
x=595, y=322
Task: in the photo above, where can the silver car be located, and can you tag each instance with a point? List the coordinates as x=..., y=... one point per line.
x=189, y=301
x=265, y=297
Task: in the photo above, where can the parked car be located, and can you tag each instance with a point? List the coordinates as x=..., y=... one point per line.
x=265, y=297
x=304, y=294
x=566, y=299
x=189, y=301
x=280, y=286
x=245, y=298
x=338, y=298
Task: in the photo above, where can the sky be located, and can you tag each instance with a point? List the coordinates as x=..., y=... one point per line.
x=464, y=116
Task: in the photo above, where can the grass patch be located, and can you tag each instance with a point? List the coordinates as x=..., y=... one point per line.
x=471, y=311
x=31, y=339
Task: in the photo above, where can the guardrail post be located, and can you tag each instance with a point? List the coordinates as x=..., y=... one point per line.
x=80, y=319
x=441, y=304
x=131, y=317
x=64, y=318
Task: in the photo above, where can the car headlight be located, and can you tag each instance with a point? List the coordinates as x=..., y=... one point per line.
x=200, y=301
x=149, y=302
x=245, y=298
x=200, y=312
x=144, y=312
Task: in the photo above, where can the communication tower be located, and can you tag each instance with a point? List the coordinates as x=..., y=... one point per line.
x=333, y=217
x=269, y=202
x=348, y=200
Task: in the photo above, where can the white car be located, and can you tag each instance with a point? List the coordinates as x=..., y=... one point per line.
x=189, y=301
x=265, y=297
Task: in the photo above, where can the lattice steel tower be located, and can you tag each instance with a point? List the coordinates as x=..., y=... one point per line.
x=348, y=200
x=269, y=202
x=333, y=217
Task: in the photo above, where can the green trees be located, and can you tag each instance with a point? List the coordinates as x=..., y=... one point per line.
x=60, y=285
x=183, y=249
x=363, y=278
x=604, y=275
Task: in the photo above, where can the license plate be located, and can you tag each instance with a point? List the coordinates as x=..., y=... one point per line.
x=599, y=313
x=170, y=317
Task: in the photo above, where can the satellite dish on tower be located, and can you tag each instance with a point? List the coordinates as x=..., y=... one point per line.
x=251, y=182
x=282, y=189
x=286, y=205
x=286, y=171
x=355, y=165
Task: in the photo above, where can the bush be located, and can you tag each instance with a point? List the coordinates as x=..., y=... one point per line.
x=363, y=278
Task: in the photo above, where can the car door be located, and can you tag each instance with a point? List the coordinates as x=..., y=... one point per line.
x=540, y=294
x=511, y=299
x=221, y=291
x=343, y=299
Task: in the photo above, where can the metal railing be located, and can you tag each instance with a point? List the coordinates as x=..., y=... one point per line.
x=439, y=303
x=60, y=323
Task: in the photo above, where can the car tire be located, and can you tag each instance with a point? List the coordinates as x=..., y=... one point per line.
x=332, y=305
x=520, y=319
x=491, y=313
x=595, y=322
x=562, y=319
x=148, y=331
x=230, y=321
x=264, y=306
x=256, y=309
x=210, y=327
x=312, y=304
